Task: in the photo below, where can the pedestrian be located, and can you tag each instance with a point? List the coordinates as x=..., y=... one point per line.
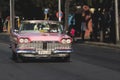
x=95, y=21
x=78, y=18
x=83, y=22
x=86, y=25
x=1, y=25
x=83, y=25
x=72, y=32
x=89, y=24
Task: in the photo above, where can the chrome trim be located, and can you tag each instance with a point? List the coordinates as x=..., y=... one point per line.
x=26, y=51
x=34, y=52
x=63, y=51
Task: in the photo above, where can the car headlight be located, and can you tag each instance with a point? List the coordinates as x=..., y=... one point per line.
x=66, y=41
x=24, y=40
x=63, y=41
x=21, y=40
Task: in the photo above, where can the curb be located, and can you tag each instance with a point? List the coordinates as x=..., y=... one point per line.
x=103, y=44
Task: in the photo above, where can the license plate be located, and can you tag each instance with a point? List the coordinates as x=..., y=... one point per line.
x=44, y=52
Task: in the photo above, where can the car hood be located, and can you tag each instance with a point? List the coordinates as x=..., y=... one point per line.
x=35, y=36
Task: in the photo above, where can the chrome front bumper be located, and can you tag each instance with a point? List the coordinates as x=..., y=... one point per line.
x=55, y=53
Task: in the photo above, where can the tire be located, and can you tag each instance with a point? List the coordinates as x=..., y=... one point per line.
x=66, y=59
x=17, y=58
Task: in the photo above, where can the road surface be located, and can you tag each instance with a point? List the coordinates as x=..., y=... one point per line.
x=88, y=62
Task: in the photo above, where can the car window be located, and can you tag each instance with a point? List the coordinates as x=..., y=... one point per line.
x=42, y=27
x=27, y=26
x=54, y=28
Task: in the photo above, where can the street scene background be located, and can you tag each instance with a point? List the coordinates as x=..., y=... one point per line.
x=98, y=15
x=88, y=61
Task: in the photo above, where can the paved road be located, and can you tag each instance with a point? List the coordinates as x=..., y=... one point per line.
x=87, y=63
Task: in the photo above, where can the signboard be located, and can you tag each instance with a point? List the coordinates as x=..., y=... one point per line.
x=59, y=15
x=46, y=11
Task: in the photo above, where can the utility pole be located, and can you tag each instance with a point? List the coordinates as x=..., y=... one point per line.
x=59, y=10
x=117, y=21
x=12, y=14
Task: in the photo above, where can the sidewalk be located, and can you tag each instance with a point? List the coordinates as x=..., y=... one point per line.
x=103, y=44
x=98, y=43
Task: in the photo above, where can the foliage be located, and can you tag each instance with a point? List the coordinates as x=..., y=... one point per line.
x=35, y=8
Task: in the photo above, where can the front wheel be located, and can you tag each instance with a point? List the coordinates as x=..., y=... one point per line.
x=17, y=58
x=66, y=59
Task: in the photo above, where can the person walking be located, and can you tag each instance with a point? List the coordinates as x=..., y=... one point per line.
x=83, y=25
x=86, y=24
x=71, y=30
x=78, y=20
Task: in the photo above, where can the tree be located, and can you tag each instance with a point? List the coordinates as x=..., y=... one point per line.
x=4, y=4
x=67, y=3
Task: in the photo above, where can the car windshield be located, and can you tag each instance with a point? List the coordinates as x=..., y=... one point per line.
x=42, y=27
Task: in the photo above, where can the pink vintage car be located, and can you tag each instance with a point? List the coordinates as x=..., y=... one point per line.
x=40, y=39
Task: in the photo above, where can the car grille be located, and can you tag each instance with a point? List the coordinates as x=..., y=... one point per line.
x=40, y=46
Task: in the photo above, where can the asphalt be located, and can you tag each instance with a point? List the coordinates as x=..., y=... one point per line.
x=3, y=36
